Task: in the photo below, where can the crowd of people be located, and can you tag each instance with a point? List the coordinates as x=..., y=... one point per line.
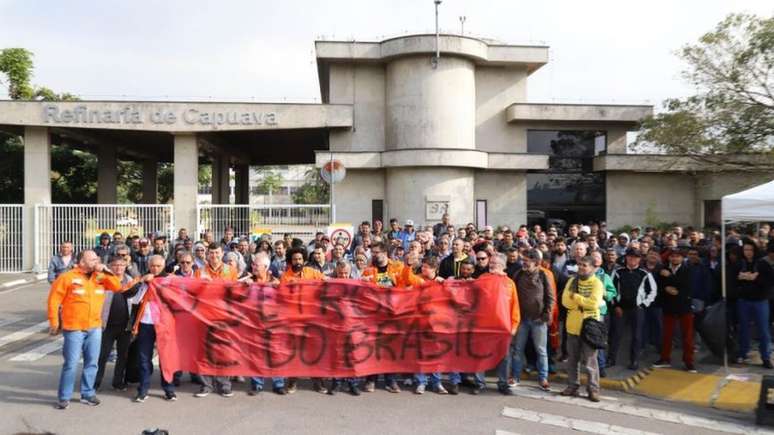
x=640, y=284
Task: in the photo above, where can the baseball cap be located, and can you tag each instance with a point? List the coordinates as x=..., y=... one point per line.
x=585, y=229
x=409, y=223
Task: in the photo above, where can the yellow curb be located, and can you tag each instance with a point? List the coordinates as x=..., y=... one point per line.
x=738, y=396
x=679, y=385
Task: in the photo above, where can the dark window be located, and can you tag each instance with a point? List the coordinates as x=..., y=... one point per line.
x=712, y=213
x=569, y=191
x=377, y=210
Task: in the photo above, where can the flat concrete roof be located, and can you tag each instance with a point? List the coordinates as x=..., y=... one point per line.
x=606, y=113
x=681, y=163
x=175, y=117
x=480, y=51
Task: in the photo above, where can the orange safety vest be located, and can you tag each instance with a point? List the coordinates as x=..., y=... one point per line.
x=81, y=297
x=223, y=272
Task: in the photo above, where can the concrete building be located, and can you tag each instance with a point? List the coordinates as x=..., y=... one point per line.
x=419, y=137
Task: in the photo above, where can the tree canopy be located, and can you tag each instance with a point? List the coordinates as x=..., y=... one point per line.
x=732, y=111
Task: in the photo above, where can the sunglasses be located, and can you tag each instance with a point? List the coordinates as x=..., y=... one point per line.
x=481, y=258
x=186, y=262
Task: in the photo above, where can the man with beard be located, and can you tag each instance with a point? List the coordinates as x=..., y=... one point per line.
x=384, y=273
x=298, y=271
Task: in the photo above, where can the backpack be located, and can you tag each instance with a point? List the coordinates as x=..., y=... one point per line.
x=593, y=332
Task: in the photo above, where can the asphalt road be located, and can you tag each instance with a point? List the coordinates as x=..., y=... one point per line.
x=30, y=362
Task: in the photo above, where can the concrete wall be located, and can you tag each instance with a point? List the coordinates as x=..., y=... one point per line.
x=363, y=87
x=505, y=193
x=632, y=197
x=430, y=108
x=496, y=89
x=353, y=195
x=408, y=188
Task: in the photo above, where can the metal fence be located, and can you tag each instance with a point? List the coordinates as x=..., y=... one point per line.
x=11, y=234
x=301, y=221
x=83, y=223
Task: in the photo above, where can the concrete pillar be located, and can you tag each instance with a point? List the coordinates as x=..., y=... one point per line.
x=186, y=188
x=37, y=187
x=220, y=180
x=150, y=175
x=242, y=184
x=408, y=191
x=107, y=175
x=430, y=108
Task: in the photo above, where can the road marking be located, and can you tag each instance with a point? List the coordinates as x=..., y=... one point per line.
x=654, y=414
x=571, y=423
x=13, y=283
x=11, y=290
x=24, y=333
x=9, y=321
x=40, y=351
x=505, y=432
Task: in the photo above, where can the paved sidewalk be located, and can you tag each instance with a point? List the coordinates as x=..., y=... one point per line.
x=10, y=280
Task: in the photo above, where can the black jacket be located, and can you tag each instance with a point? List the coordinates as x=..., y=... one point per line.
x=447, y=267
x=681, y=302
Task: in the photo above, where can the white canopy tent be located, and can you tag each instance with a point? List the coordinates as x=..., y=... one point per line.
x=752, y=205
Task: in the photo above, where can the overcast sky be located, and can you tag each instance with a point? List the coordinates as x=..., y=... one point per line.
x=601, y=51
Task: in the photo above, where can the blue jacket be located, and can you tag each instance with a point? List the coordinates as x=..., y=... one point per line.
x=56, y=266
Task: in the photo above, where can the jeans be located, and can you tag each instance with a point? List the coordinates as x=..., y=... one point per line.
x=757, y=311
x=651, y=329
x=119, y=335
x=506, y=364
x=579, y=352
x=686, y=327
x=146, y=338
x=601, y=353
x=257, y=382
x=435, y=379
x=77, y=343
x=634, y=318
x=538, y=330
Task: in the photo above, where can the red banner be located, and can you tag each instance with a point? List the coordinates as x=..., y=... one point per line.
x=336, y=328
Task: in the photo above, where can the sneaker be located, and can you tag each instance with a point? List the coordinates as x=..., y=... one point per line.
x=319, y=387
x=408, y=382
x=226, y=392
x=454, y=389
x=767, y=364
x=203, y=392
x=505, y=390
x=562, y=358
x=369, y=386
x=121, y=387
x=544, y=385
x=170, y=396
x=254, y=390
x=512, y=382
x=292, y=386
x=140, y=398
x=420, y=389
x=690, y=368
x=440, y=389
x=334, y=388
x=478, y=390
x=281, y=391
x=635, y=365
x=594, y=396
x=354, y=390
x=91, y=401
x=661, y=363
x=570, y=391
x=62, y=404
x=393, y=387
x=739, y=360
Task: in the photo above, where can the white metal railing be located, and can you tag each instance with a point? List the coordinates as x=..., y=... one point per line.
x=11, y=234
x=300, y=220
x=83, y=223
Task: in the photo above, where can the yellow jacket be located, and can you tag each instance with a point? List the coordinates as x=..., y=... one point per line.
x=585, y=303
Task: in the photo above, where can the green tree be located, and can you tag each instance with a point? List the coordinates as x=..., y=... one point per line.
x=270, y=183
x=732, y=111
x=314, y=190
